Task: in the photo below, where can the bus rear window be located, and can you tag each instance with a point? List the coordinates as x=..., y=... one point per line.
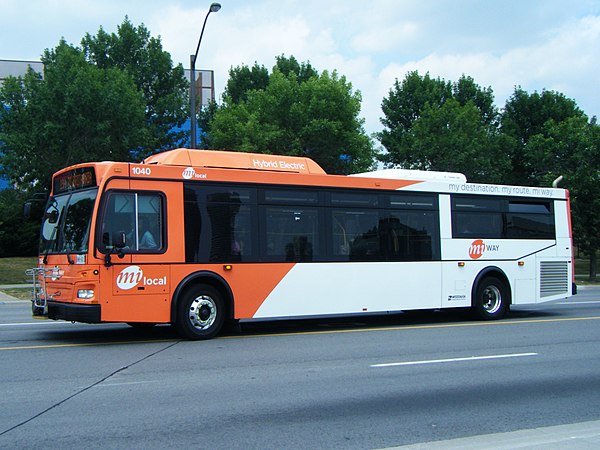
x=502, y=218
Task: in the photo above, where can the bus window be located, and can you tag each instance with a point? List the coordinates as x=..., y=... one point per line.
x=529, y=220
x=218, y=223
x=502, y=218
x=410, y=236
x=229, y=235
x=137, y=216
x=355, y=235
x=290, y=233
x=290, y=197
x=477, y=217
x=353, y=199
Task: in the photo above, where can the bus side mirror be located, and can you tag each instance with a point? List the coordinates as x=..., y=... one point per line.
x=119, y=242
x=33, y=209
x=27, y=210
x=119, y=239
x=52, y=217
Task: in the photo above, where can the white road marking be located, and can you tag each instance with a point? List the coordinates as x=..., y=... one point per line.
x=41, y=322
x=593, y=302
x=438, y=361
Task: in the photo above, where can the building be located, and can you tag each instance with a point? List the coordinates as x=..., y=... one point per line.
x=15, y=68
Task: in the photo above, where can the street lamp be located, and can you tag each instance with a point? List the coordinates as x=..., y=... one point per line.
x=214, y=7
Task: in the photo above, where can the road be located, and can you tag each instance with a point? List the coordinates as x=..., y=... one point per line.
x=356, y=384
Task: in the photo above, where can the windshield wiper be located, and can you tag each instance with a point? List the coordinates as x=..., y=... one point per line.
x=52, y=217
x=69, y=255
x=49, y=246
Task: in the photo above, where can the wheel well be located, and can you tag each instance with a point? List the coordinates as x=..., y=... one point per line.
x=207, y=278
x=491, y=271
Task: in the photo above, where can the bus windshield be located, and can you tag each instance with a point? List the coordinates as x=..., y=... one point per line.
x=66, y=223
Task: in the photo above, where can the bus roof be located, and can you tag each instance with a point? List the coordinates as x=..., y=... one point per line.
x=186, y=157
x=410, y=174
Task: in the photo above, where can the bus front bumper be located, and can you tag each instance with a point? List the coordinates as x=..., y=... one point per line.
x=73, y=312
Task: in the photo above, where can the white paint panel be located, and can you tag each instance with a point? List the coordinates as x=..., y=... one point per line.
x=496, y=249
x=344, y=288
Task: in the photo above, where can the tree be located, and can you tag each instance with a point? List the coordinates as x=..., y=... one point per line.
x=243, y=79
x=408, y=101
x=526, y=115
x=303, y=71
x=571, y=148
x=164, y=87
x=452, y=138
x=465, y=90
x=432, y=124
x=18, y=237
x=550, y=136
x=77, y=113
x=299, y=113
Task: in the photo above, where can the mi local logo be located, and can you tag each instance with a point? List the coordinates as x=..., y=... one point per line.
x=190, y=173
x=478, y=248
x=131, y=276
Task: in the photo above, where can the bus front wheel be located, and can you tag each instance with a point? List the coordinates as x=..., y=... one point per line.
x=201, y=313
x=492, y=299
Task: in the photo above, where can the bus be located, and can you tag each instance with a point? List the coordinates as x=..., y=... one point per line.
x=196, y=238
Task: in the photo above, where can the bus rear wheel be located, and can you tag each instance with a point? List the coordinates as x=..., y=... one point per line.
x=492, y=299
x=201, y=313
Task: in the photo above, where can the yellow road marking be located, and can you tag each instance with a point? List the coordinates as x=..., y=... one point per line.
x=89, y=344
x=305, y=333
x=420, y=327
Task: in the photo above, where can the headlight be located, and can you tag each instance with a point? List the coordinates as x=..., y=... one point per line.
x=85, y=294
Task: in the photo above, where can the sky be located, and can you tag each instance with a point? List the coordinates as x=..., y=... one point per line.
x=535, y=44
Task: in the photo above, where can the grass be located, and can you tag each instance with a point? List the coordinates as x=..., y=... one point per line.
x=12, y=270
x=19, y=294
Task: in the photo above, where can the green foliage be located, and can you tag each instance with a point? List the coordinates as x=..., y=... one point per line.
x=571, y=148
x=432, y=124
x=117, y=98
x=452, y=138
x=243, y=79
x=298, y=112
x=77, y=113
x=18, y=237
x=164, y=87
x=303, y=71
x=526, y=116
x=549, y=136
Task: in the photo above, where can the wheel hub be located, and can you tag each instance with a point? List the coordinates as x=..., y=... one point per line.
x=203, y=312
x=492, y=299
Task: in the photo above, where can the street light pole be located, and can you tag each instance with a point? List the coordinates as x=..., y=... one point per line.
x=214, y=7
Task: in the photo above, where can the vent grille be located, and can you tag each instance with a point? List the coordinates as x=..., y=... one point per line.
x=554, y=278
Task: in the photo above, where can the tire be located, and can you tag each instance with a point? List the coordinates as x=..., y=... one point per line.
x=37, y=311
x=200, y=313
x=492, y=299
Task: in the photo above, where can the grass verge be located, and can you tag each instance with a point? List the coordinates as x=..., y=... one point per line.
x=19, y=294
x=12, y=270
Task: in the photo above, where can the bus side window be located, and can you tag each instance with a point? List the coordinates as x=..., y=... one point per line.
x=123, y=211
x=291, y=234
x=149, y=221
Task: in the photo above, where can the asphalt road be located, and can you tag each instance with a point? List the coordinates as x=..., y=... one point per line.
x=360, y=383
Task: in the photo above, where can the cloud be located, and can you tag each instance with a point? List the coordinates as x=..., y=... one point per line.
x=566, y=62
x=537, y=44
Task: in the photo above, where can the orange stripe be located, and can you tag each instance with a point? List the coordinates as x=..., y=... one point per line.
x=252, y=284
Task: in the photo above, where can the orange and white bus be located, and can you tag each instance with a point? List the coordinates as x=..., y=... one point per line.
x=195, y=238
